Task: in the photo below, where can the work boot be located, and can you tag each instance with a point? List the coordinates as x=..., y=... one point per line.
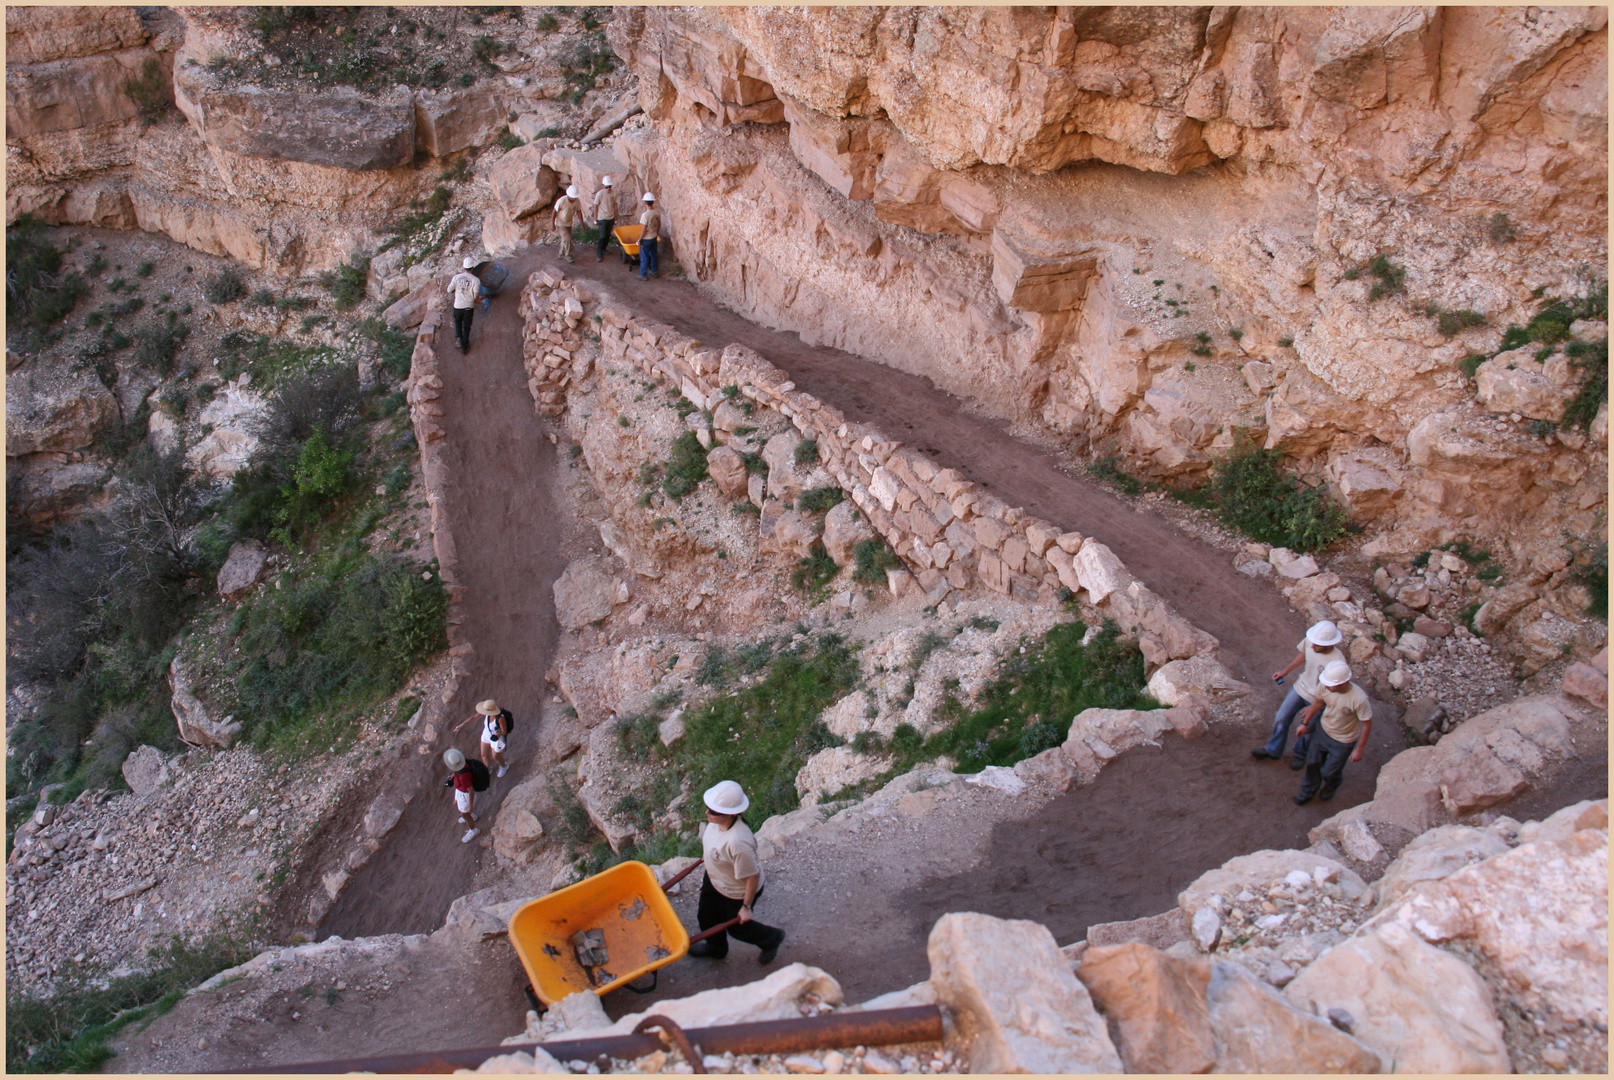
x=703, y=950
x=1260, y=754
x=1300, y=800
x=1327, y=793
x=1297, y=764
x=771, y=951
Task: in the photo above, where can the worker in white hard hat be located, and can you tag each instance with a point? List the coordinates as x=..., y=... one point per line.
x=568, y=213
x=462, y=287
x=1347, y=719
x=651, y=220
x=1319, y=649
x=604, y=216
x=733, y=881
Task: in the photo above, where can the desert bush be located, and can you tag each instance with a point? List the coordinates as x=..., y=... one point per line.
x=147, y=91
x=157, y=346
x=1253, y=494
x=1591, y=359
x=686, y=468
x=1108, y=470
x=814, y=572
x=872, y=559
x=820, y=500
x=37, y=294
x=346, y=283
x=1452, y=323
x=224, y=287
x=806, y=453
x=1499, y=229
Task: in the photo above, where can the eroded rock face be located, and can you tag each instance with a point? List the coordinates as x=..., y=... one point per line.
x=55, y=410
x=1158, y=1004
x=39, y=35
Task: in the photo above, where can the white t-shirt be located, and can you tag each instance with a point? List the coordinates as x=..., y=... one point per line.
x=730, y=857
x=1311, y=674
x=1345, y=712
x=464, y=285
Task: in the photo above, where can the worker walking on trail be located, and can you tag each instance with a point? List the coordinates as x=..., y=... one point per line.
x=1347, y=720
x=604, y=216
x=568, y=212
x=495, y=732
x=1317, y=651
x=733, y=880
x=651, y=220
x=466, y=782
x=462, y=287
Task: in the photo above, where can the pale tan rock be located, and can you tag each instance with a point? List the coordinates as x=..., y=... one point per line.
x=196, y=724
x=1157, y=1005
x=1586, y=683
x=1099, y=570
x=1012, y=993
x=777, y=997
x=1564, y=823
x=71, y=94
x=145, y=770
x=828, y=771
x=503, y=235
x=844, y=529
x=522, y=183
x=1421, y=1009
x=534, y=1061
x=1259, y=870
x=1516, y=382
x=1436, y=854
x=1197, y=676
x=454, y=118
x=583, y=594
x=727, y=470
x=1257, y=1030
x=55, y=409
x=39, y=34
x=242, y=569
x=847, y=716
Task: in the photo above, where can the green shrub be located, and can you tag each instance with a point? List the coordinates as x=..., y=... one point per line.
x=147, y=92
x=1391, y=278
x=397, y=349
x=686, y=468
x=1591, y=359
x=873, y=558
x=37, y=294
x=224, y=287
x=1500, y=229
x=1108, y=470
x=1254, y=495
x=806, y=453
x=1590, y=569
x=510, y=140
x=1452, y=323
x=158, y=346
x=819, y=500
x=814, y=572
x=263, y=297
x=1470, y=365
x=346, y=283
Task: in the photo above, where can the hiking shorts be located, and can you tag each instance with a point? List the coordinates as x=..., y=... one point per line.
x=462, y=801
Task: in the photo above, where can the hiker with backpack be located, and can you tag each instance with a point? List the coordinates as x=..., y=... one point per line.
x=469, y=778
x=496, y=725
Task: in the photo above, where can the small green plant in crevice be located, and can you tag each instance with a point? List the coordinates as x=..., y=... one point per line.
x=686, y=467
x=148, y=92
x=1470, y=365
x=872, y=558
x=1108, y=470
x=1254, y=495
x=157, y=347
x=1589, y=569
x=1286, y=343
x=37, y=293
x=820, y=500
x=224, y=287
x=814, y=572
x=510, y=140
x=722, y=665
x=1499, y=230
x=1452, y=323
x=346, y=283
x=806, y=453
x=1390, y=277
x=1591, y=360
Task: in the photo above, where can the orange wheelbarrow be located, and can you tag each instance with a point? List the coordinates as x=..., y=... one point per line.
x=628, y=237
x=619, y=917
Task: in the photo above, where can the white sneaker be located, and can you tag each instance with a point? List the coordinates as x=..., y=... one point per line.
x=470, y=834
x=502, y=770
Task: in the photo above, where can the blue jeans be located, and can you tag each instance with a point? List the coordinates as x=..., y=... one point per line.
x=647, y=257
x=1292, y=704
x=1325, y=765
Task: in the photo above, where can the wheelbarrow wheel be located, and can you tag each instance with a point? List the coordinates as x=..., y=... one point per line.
x=644, y=984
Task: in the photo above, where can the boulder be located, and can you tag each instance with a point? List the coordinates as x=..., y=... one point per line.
x=503, y=235
x=1108, y=732
x=535, y=1061
x=1292, y=566
x=63, y=96
x=793, y=533
x=55, y=409
x=1436, y=854
x=1588, y=814
x=35, y=35
x=145, y=770
x=410, y=310
x=785, y=481
x=454, y=118
x=583, y=594
x=242, y=569
x=385, y=810
x=1099, y=570
x=844, y=529
x=1155, y=1004
x=1413, y=646
x=780, y=996
x=1586, y=683
x=1012, y=994
x=1160, y=931
x=1538, y=915
x=338, y=127
x=1516, y=382
x=1195, y=676
x=779, y=831
x=518, y=831
x=847, y=716
x=597, y=803
x=832, y=769
x=1422, y=1009
x=1494, y=615
x=1258, y=1031
x=726, y=467
x=195, y=725
x=43, y=487
x=1259, y=870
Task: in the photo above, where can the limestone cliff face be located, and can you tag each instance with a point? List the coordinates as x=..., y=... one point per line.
x=1056, y=212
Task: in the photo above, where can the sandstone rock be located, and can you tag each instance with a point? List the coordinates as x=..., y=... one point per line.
x=1190, y=716
x=1436, y=854
x=727, y=469
x=784, y=480
x=1538, y=915
x=1586, y=683
x=242, y=569
x=1156, y=1004
x=455, y=118
x=583, y=594
x=1516, y=382
x=1562, y=824
x=1430, y=628
x=1258, y=1031
x=779, y=831
x=62, y=97
x=56, y=409
x=145, y=770
x=1157, y=931
x=409, y=310
x=846, y=717
x=793, y=533
x=535, y=1061
x=522, y=183
x=196, y=726
x=43, y=488
x=832, y=769
x=38, y=34
x=1494, y=615
x=1422, y=1009
x=1369, y=482
x=597, y=803
x=1206, y=928
x=384, y=812
x=1196, y=676
x=844, y=529
x=1292, y=566
x=503, y=235
x=671, y=729
x=1099, y=571
x=777, y=997
x=337, y=127
x=1108, y=732
x=1415, y=647
x=1013, y=994
x=1257, y=871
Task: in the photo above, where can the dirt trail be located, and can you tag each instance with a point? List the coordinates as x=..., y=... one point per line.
x=505, y=528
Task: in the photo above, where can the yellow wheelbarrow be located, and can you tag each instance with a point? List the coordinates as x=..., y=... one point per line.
x=607, y=931
x=628, y=237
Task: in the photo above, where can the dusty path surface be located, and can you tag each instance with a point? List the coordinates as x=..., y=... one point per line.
x=505, y=528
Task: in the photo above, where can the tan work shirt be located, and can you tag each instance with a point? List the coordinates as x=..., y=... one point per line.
x=605, y=204
x=651, y=220
x=1311, y=674
x=730, y=857
x=568, y=211
x=1344, y=712
x=464, y=285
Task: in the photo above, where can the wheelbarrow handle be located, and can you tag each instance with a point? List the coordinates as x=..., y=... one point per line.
x=680, y=876
x=716, y=930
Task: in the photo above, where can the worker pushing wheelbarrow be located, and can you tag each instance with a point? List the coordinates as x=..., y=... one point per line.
x=491, y=277
x=617, y=928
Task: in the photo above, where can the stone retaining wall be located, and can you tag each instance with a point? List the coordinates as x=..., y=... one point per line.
x=951, y=534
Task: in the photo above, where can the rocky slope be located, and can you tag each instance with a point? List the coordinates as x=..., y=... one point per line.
x=1152, y=229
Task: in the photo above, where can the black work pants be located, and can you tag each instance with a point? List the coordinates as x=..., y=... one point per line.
x=1325, y=765
x=462, y=326
x=605, y=226
x=716, y=908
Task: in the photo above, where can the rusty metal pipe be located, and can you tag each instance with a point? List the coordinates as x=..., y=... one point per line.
x=885, y=1027
x=682, y=874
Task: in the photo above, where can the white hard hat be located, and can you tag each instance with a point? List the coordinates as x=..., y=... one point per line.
x=726, y=797
x=469, y=262
x=453, y=759
x=648, y=197
x=1337, y=674
x=1324, y=633
x=571, y=191
x=605, y=181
